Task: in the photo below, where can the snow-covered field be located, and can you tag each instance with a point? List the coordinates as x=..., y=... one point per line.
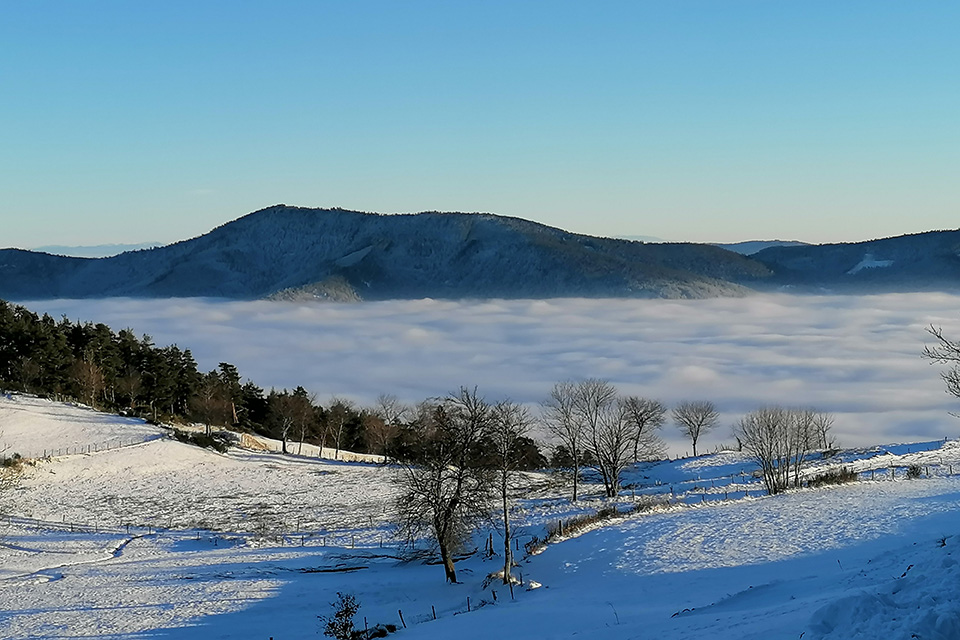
x=159, y=539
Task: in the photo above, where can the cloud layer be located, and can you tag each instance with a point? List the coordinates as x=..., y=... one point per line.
x=857, y=357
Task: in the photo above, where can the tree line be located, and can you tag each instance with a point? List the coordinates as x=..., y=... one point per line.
x=119, y=371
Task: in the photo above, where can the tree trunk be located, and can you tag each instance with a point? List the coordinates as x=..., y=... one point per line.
x=576, y=475
x=507, y=553
x=448, y=567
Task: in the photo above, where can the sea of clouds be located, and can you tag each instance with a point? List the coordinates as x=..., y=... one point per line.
x=857, y=357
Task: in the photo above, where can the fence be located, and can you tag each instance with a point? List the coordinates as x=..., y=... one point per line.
x=95, y=447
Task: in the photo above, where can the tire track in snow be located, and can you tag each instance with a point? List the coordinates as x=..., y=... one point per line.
x=117, y=552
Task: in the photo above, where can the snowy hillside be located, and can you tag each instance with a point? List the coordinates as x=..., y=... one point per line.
x=150, y=537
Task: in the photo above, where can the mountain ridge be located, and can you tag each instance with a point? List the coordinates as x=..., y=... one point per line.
x=375, y=256
x=296, y=253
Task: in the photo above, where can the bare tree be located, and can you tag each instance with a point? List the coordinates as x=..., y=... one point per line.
x=290, y=412
x=510, y=422
x=89, y=378
x=338, y=415
x=445, y=487
x=778, y=439
x=212, y=403
x=822, y=423
x=646, y=416
x=946, y=351
x=694, y=419
x=765, y=436
x=130, y=386
x=390, y=409
x=560, y=416
x=594, y=403
x=304, y=415
x=8, y=473
x=612, y=443
x=389, y=414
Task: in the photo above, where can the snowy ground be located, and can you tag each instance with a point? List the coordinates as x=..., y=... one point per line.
x=159, y=539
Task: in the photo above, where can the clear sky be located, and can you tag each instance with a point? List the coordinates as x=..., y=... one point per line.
x=704, y=121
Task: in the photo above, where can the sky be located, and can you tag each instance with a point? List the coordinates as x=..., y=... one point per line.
x=127, y=122
x=856, y=357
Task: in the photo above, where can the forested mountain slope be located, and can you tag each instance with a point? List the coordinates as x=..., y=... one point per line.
x=916, y=262
x=291, y=252
x=297, y=253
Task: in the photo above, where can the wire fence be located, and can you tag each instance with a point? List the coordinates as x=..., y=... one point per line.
x=90, y=447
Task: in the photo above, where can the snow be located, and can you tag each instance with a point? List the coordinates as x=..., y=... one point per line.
x=869, y=262
x=161, y=539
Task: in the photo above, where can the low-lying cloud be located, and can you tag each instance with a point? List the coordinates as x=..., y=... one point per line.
x=857, y=357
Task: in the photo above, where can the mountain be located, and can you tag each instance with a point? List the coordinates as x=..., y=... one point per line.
x=294, y=253
x=751, y=247
x=95, y=251
x=916, y=262
x=291, y=253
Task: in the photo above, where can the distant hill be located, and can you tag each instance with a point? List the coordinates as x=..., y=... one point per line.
x=95, y=251
x=751, y=247
x=916, y=262
x=295, y=253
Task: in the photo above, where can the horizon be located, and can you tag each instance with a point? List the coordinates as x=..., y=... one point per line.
x=98, y=249
x=691, y=121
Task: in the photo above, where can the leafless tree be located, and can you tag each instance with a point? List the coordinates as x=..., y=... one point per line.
x=945, y=351
x=509, y=423
x=212, y=403
x=304, y=416
x=612, y=444
x=390, y=409
x=338, y=415
x=89, y=377
x=446, y=488
x=8, y=474
x=595, y=407
x=646, y=416
x=130, y=386
x=822, y=423
x=561, y=418
x=387, y=416
x=765, y=434
x=290, y=413
x=694, y=419
x=778, y=439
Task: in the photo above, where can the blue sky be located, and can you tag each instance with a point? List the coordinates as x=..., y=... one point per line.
x=703, y=121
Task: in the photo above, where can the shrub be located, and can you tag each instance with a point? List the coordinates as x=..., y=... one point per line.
x=12, y=462
x=914, y=471
x=340, y=624
x=202, y=440
x=837, y=476
x=578, y=523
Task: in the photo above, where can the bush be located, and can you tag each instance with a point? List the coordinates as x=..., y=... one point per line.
x=609, y=512
x=914, y=471
x=340, y=624
x=837, y=476
x=203, y=440
x=12, y=462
